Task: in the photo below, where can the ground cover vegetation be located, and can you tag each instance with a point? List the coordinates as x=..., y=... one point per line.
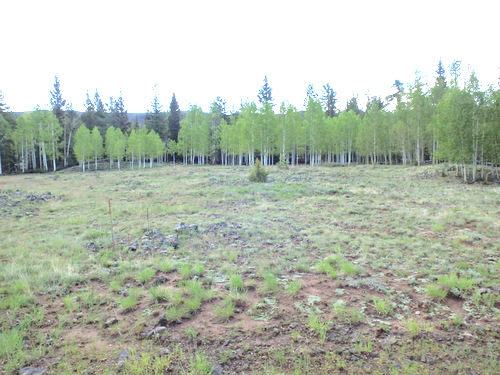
x=456, y=122
x=197, y=270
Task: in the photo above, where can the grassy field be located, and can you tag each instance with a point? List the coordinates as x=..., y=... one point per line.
x=195, y=270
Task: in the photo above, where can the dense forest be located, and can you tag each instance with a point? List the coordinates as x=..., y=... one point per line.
x=454, y=121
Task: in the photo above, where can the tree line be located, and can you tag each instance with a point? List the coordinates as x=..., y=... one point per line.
x=452, y=121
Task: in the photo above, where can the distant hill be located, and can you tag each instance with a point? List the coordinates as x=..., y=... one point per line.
x=131, y=116
x=140, y=117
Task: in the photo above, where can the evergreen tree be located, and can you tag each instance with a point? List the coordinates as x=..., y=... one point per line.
x=398, y=95
x=265, y=95
x=174, y=119
x=56, y=100
x=7, y=126
x=329, y=101
x=310, y=94
x=455, y=71
x=101, y=115
x=440, y=79
x=118, y=115
x=352, y=105
x=156, y=119
x=89, y=116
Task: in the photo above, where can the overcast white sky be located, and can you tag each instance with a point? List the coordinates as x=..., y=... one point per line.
x=204, y=49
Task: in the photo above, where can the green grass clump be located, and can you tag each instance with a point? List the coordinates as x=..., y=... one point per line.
x=166, y=266
x=225, y=310
x=200, y=365
x=271, y=283
x=197, y=270
x=236, y=283
x=161, y=293
x=147, y=363
x=350, y=269
x=293, y=288
x=319, y=327
x=458, y=286
x=174, y=313
x=327, y=268
x=185, y=271
x=145, y=275
x=382, y=306
x=131, y=300
x=437, y=292
x=11, y=349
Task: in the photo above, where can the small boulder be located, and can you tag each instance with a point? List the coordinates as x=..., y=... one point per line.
x=91, y=246
x=217, y=370
x=122, y=358
x=172, y=241
x=32, y=371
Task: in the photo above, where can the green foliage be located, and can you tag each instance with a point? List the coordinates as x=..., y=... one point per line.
x=459, y=286
x=225, y=310
x=147, y=363
x=382, y=306
x=271, y=283
x=319, y=327
x=11, y=348
x=200, y=365
x=258, y=172
x=145, y=275
x=236, y=283
x=437, y=292
x=293, y=288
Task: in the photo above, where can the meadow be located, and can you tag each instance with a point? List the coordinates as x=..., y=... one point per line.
x=196, y=270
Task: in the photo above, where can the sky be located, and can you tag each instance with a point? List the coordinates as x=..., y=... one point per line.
x=204, y=49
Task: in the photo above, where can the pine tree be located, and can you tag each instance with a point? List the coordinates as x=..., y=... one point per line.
x=89, y=116
x=101, y=120
x=119, y=116
x=7, y=126
x=156, y=119
x=329, y=100
x=56, y=100
x=174, y=119
x=265, y=95
x=352, y=105
x=440, y=79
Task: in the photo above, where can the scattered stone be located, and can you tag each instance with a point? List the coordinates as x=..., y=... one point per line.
x=331, y=337
x=91, y=246
x=134, y=245
x=217, y=370
x=32, y=371
x=165, y=351
x=155, y=331
x=110, y=322
x=160, y=280
x=183, y=228
x=122, y=358
x=389, y=340
x=172, y=240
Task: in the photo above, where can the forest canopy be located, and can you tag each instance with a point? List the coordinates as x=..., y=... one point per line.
x=452, y=120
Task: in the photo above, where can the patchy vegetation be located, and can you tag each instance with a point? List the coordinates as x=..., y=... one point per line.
x=196, y=270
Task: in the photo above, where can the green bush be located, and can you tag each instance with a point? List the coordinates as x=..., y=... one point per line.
x=258, y=172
